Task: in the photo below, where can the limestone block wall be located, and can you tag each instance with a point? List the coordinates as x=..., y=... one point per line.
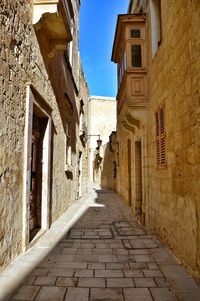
x=102, y=121
x=64, y=188
x=21, y=63
x=132, y=170
x=84, y=95
x=109, y=164
x=174, y=76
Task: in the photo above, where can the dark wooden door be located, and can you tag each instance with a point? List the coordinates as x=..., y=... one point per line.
x=129, y=173
x=34, y=181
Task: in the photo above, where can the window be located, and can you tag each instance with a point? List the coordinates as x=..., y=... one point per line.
x=68, y=145
x=114, y=169
x=136, y=56
x=81, y=118
x=160, y=138
x=156, y=30
x=124, y=63
x=135, y=33
x=121, y=68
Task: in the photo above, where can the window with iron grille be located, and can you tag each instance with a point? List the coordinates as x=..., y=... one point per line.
x=161, y=161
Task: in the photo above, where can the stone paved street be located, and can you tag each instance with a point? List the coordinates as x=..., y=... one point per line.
x=108, y=256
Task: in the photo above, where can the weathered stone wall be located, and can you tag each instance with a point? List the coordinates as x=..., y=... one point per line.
x=133, y=191
x=21, y=63
x=102, y=121
x=174, y=76
x=170, y=197
x=83, y=145
x=109, y=164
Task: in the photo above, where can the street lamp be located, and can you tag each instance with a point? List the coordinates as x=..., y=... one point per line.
x=99, y=141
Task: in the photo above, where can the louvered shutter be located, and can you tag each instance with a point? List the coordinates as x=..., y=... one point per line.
x=160, y=138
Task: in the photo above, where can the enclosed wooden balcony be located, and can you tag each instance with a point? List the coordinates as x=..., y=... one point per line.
x=52, y=20
x=129, y=52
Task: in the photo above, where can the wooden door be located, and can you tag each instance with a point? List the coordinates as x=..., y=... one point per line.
x=129, y=173
x=34, y=181
x=79, y=174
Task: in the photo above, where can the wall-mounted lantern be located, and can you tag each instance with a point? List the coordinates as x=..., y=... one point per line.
x=99, y=142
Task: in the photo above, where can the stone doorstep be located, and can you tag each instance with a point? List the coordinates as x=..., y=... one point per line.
x=15, y=273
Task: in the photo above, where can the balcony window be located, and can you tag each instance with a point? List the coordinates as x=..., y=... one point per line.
x=135, y=33
x=136, y=56
x=121, y=68
x=124, y=63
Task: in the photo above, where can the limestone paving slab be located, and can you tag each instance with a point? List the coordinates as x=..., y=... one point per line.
x=66, y=282
x=164, y=294
x=92, y=282
x=133, y=273
x=108, y=273
x=77, y=294
x=111, y=294
x=49, y=293
x=107, y=256
x=26, y=292
x=144, y=282
x=120, y=282
x=45, y=280
x=137, y=294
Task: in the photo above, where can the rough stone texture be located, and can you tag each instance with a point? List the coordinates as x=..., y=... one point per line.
x=109, y=164
x=170, y=197
x=174, y=75
x=21, y=63
x=102, y=121
x=116, y=279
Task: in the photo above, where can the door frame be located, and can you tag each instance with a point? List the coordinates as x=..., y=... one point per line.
x=129, y=149
x=80, y=167
x=138, y=179
x=34, y=101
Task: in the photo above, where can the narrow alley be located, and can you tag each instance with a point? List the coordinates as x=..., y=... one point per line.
x=107, y=255
x=99, y=150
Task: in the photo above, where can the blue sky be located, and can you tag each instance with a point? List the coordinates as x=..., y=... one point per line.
x=97, y=27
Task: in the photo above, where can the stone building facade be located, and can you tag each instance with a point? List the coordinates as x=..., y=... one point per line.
x=157, y=49
x=101, y=121
x=109, y=163
x=43, y=119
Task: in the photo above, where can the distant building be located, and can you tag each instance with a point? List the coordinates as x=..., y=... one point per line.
x=43, y=119
x=102, y=121
x=156, y=48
